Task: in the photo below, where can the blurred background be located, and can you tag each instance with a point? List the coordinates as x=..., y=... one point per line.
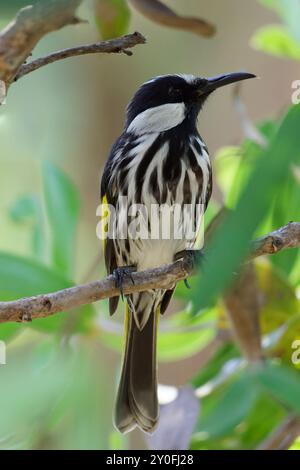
x=56, y=128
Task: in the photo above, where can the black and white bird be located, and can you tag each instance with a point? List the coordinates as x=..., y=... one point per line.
x=160, y=159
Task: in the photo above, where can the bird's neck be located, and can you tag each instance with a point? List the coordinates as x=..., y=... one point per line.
x=171, y=117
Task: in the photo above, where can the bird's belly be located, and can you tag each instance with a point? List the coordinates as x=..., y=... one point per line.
x=172, y=196
x=154, y=253
x=158, y=238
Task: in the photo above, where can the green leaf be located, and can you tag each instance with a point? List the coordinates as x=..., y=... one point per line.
x=296, y=445
x=233, y=405
x=225, y=353
x=289, y=12
x=55, y=397
x=112, y=17
x=264, y=417
x=279, y=312
x=282, y=383
x=272, y=4
x=118, y=441
x=27, y=210
x=62, y=205
x=227, y=162
x=88, y=403
x=21, y=277
x=9, y=330
x=230, y=243
x=286, y=207
x=181, y=345
x=276, y=40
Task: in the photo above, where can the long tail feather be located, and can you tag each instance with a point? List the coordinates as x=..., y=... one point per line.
x=137, y=403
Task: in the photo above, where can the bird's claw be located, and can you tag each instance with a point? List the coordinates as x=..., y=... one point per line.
x=194, y=257
x=120, y=273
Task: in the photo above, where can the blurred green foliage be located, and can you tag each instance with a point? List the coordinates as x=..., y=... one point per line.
x=281, y=40
x=112, y=17
x=251, y=208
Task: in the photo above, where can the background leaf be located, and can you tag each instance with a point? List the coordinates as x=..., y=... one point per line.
x=233, y=405
x=276, y=40
x=27, y=210
x=20, y=277
x=289, y=12
x=282, y=383
x=112, y=17
x=62, y=206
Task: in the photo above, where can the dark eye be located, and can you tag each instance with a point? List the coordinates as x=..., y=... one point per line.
x=174, y=92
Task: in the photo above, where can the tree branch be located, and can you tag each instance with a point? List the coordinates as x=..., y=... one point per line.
x=242, y=304
x=32, y=23
x=283, y=238
x=160, y=278
x=117, y=45
x=242, y=301
x=45, y=305
x=158, y=12
x=284, y=436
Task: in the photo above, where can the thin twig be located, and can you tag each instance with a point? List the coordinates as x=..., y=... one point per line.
x=248, y=127
x=283, y=238
x=160, y=278
x=284, y=436
x=31, y=23
x=242, y=305
x=117, y=45
x=45, y=305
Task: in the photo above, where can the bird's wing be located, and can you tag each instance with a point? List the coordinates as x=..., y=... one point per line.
x=107, y=197
x=209, y=190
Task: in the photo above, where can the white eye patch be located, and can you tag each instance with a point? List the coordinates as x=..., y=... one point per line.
x=158, y=119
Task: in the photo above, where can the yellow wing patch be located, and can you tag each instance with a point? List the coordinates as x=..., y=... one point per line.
x=104, y=220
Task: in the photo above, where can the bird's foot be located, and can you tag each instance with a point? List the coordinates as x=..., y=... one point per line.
x=195, y=258
x=120, y=274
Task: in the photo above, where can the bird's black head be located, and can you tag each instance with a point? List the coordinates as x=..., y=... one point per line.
x=166, y=101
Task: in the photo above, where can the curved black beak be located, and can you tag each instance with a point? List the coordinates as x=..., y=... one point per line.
x=226, y=79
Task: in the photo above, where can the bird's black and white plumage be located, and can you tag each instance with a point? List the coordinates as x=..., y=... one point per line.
x=160, y=159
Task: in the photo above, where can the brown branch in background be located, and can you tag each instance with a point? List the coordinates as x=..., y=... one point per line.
x=117, y=45
x=32, y=23
x=160, y=278
x=242, y=304
x=284, y=436
x=160, y=13
x=248, y=127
